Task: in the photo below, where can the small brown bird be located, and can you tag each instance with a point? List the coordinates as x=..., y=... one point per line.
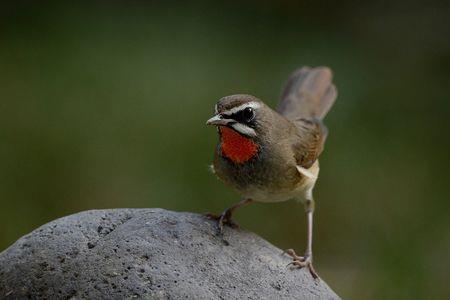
x=272, y=156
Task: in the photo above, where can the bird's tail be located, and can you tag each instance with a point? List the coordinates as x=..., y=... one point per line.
x=309, y=93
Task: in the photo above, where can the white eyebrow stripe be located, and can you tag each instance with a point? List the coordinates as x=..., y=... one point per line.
x=244, y=129
x=233, y=110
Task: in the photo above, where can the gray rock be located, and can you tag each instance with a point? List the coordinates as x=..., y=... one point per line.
x=149, y=254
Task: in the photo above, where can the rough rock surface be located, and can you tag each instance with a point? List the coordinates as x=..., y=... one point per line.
x=149, y=254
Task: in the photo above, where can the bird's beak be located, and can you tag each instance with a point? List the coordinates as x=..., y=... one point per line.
x=218, y=120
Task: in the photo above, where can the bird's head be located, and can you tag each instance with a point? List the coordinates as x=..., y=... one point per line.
x=239, y=122
x=240, y=113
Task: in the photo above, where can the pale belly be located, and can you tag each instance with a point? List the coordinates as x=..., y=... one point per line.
x=301, y=190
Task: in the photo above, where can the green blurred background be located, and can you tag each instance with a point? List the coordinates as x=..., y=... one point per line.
x=103, y=104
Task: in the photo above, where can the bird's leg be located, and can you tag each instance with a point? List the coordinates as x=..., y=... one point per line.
x=225, y=217
x=306, y=260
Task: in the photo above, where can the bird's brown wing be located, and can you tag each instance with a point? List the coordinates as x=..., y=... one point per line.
x=306, y=99
x=309, y=142
x=309, y=93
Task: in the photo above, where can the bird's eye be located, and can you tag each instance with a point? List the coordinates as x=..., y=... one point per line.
x=248, y=114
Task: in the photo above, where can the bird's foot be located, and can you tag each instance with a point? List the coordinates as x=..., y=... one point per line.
x=223, y=219
x=302, y=261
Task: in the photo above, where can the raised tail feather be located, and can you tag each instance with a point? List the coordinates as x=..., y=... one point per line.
x=309, y=93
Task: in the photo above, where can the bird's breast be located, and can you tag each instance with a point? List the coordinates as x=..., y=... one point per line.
x=269, y=177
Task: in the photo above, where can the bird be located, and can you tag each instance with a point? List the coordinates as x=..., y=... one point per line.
x=269, y=155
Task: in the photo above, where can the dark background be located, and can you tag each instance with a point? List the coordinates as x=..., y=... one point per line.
x=103, y=105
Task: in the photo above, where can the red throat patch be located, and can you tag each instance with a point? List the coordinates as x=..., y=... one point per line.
x=237, y=147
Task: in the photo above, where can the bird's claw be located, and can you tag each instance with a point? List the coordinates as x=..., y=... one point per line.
x=292, y=254
x=301, y=261
x=223, y=219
